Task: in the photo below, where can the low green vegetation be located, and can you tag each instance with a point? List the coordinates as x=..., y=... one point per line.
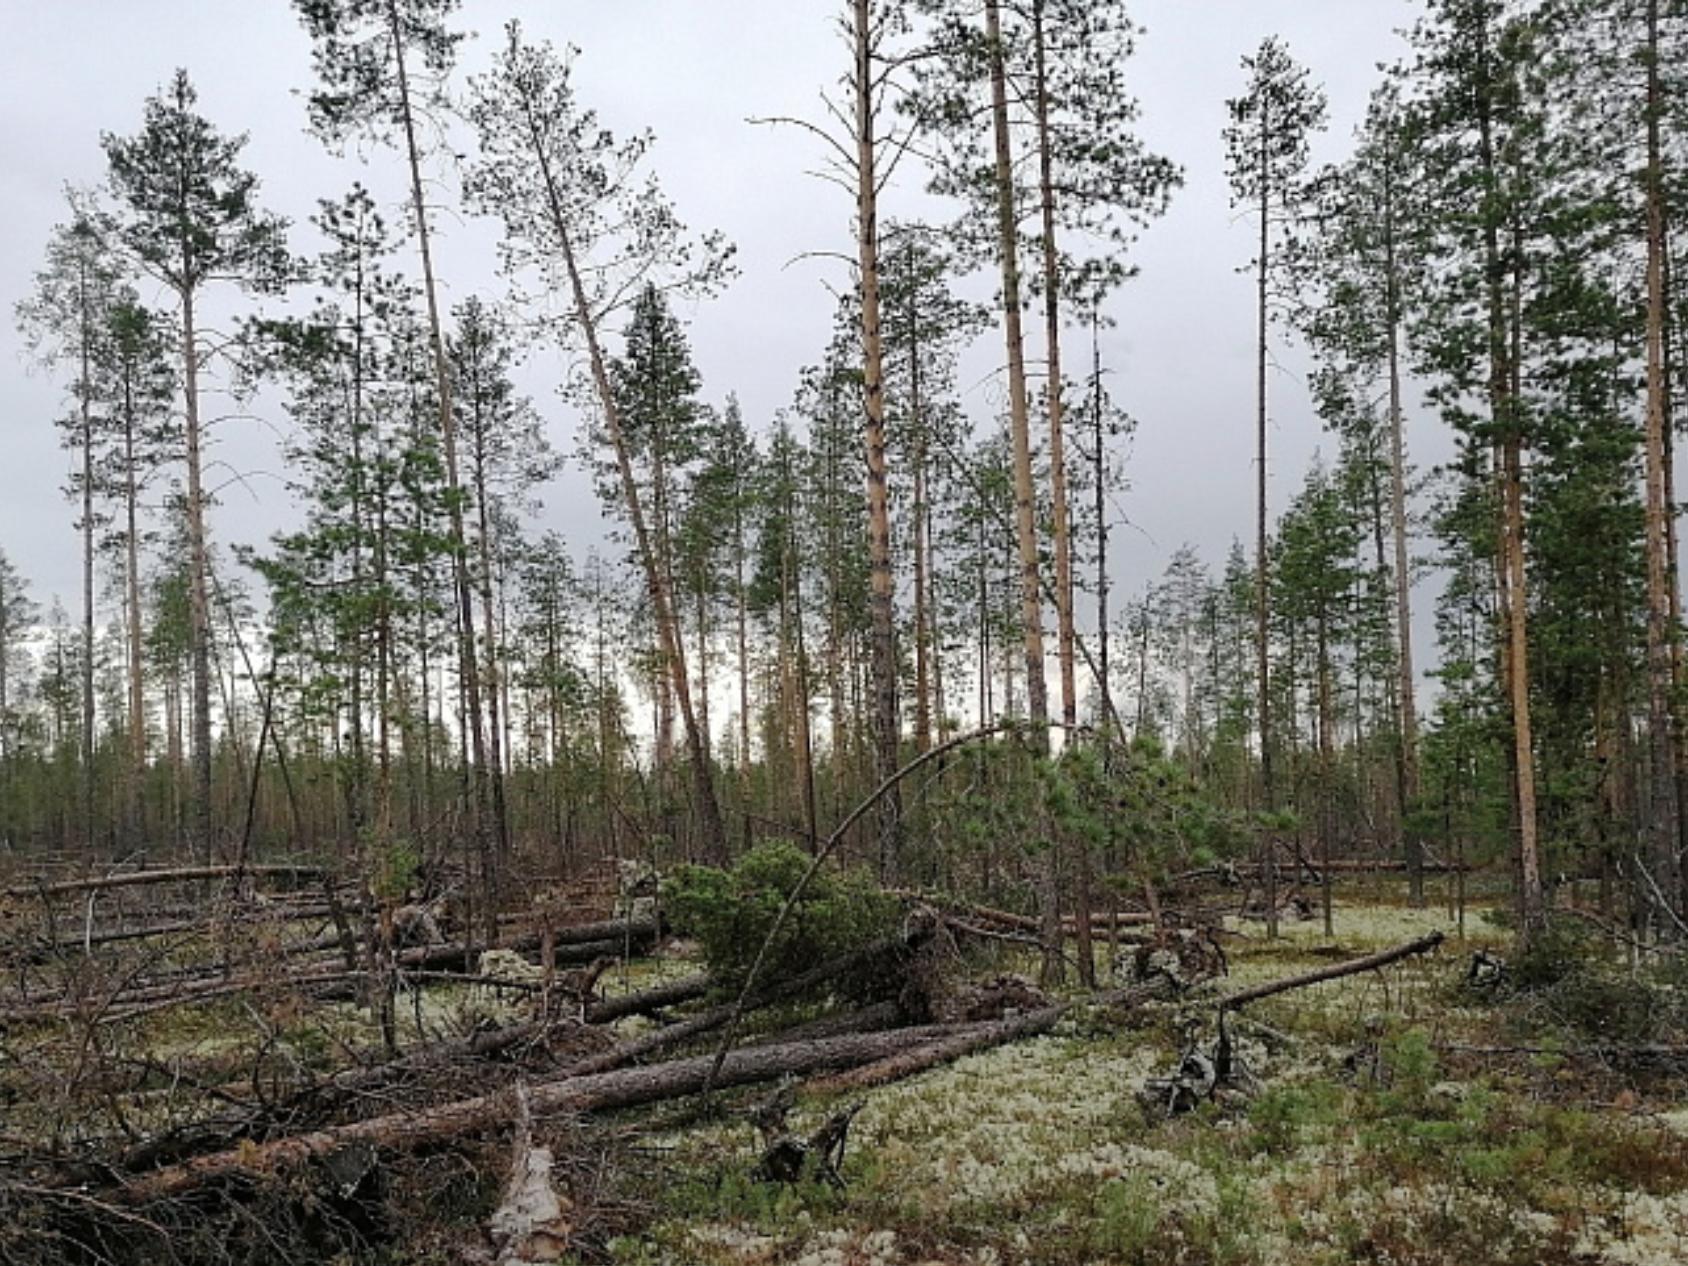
x=731, y=912
x=1370, y=1132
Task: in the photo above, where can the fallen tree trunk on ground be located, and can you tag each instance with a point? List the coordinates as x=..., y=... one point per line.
x=137, y=878
x=973, y=1038
x=39, y=950
x=1349, y=866
x=1353, y=967
x=706, y=1021
x=649, y=1001
x=365, y=1079
x=407, y=1131
x=1099, y=919
x=573, y=934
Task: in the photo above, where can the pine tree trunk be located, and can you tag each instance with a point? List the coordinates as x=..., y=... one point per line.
x=1407, y=775
x=199, y=605
x=882, y=581
x=1031, y=595
x=920, y=512
x=133, y=821
x=1065, y=636
x=1099, y=462
x=1262, y=613
x=494, y=725
x=741, y=602
x=1512, y=587
x=709, y=811
x=1666, y=808
x=467, y=660
x=1327, y=769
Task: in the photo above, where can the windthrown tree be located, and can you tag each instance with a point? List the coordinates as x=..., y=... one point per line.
x=187, y=213
x=578, y=210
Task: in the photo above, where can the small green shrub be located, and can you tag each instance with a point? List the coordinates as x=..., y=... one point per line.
x=1554, y=955
x=730, y=912
x=1282, y=1114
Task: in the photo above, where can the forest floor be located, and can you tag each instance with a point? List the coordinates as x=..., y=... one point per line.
x=1368, y=1135
x=1395, y=1115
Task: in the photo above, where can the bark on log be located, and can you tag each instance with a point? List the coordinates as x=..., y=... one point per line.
x=1345, y=866
x=986, y=914
x=137, y=878
x=406, y=1131
x=980, y=1037
x=648, y=1001
x=706, y=1021
x=533, y=926
x=1354, y=966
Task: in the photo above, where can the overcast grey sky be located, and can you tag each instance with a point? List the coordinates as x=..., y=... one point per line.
x=694, y=70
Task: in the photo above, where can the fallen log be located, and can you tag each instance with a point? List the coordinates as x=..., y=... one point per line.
x=38, y=950
x=205, y=985
x=972, y=1038
x=1343, y=866
x=1099, y=919
x=648, y=1001
x=706, y=1021
x=490, y=1043
x=407, y=1131
x=573, y=934
x=137, y=878
x=365, y=1079
x=1353, y=967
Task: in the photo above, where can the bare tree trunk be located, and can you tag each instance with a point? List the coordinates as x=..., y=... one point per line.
x=923, y=641
x=1666, y=808
x=1327, y=771
x=1262, y=591
x=1053, y=388
x=134, y=827
x=85, y=391
x=1514, y=605
x=1407, y=774
x=1031, y=594
x=883, y=583
x=741, y=602
x=1100, y=471
x=199, y=603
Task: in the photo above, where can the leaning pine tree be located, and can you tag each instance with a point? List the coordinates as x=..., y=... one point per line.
x=576, y=211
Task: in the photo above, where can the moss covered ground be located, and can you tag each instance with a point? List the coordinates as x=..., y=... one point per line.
x=1372, y=1133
